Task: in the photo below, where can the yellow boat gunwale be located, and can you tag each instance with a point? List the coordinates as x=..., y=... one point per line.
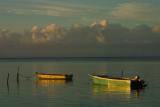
x=112, y=79
x=53, y=76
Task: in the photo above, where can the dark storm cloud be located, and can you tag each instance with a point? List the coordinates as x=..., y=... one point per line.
x=97, y=39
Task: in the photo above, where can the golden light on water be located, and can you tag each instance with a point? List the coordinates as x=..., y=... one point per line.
x=125, y=92
x=47, y=83
x=99, y=88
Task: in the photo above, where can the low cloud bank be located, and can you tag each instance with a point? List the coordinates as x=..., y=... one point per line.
x=97, y=39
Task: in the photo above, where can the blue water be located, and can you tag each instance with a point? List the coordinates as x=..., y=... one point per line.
x=80, y=92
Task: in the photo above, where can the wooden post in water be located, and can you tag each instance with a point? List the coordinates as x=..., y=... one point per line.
x=7, y=78
x=8, y=82
x=18, y=75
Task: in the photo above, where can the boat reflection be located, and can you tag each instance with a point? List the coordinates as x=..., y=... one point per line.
x=47, y=83
x=115, y=90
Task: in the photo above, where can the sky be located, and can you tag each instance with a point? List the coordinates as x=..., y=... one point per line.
x=56, y=28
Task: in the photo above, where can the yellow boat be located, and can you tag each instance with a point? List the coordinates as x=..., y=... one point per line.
x=133, y=83
x=46, y=76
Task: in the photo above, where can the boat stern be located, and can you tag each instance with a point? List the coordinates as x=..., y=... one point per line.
x=137, y=84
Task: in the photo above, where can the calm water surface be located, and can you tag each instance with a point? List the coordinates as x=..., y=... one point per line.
x=80, y=92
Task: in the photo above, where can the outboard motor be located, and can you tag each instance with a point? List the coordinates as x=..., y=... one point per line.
x=138, y=83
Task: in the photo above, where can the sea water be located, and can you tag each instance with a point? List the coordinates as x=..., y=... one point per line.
x=81, y=92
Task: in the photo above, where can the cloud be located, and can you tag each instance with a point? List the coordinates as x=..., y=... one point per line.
x=51, y=32
x=156, y=28
x=101, y=23
x=56, y=10
x=102, y=39
x=45, y=9
x=136, y=11
x=37, y=35
x=62, y=9
x=4, y=32
x=129, y=10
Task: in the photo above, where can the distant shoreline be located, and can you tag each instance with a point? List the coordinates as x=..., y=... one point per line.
x=139, y=58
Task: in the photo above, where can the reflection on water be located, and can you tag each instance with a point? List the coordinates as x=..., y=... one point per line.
x=47, y=83
x=53, y=93
x=101, y=88
x=115, y=90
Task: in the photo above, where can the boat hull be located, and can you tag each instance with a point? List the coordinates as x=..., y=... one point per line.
x=43, y=76
x=133, y=83
x=111, y=82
